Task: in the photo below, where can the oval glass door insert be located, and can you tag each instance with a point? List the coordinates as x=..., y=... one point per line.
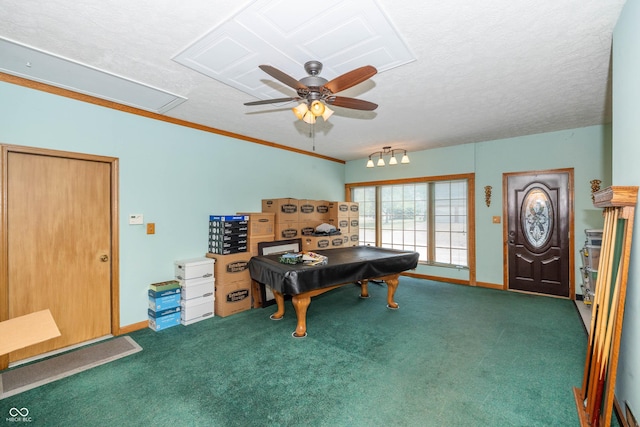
x=537, y=218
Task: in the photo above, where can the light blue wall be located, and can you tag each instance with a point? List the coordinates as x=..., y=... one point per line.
x=626, y=171
x=586, y=150
x=175, y=176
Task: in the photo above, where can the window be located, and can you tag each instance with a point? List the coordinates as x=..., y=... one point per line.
x=429, y=216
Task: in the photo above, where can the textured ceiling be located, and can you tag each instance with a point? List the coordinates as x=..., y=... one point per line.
x=476, y=71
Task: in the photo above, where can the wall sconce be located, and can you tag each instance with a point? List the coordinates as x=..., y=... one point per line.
x=385, y=152
x=487, y=195
x=595, y=186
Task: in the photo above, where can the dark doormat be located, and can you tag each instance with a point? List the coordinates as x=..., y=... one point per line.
x=26, y=377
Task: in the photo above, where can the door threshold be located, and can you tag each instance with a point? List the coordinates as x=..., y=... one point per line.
x=58, y=351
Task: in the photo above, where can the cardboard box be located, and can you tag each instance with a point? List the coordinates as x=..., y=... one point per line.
x=306, y=208
x=284, y=209
x=312, y=243
x=218, y=233
x=228, y=220
x=309, y=210
x=164, y=322
x=354, y=226
x=254, y=240
x=261, y=223
x=231, y=268
x=163, y=303
x=198, y=288
x=307, y=228
x=287, y=230
x=322, y=210
x=354, y=239
x=165, y=312
x=221, y=244
x=338, y=241
x=23, y=331
x=194, y=268
x=197, y=309
x=228, y=251
x=233, y=298
x=235, y=230
x=160, y=294
x=341, y=223
x=354, y=209
x=163, y=286
x=229, y=239
x=338, y=209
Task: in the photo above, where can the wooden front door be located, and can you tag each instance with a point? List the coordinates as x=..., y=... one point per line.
x=59, y=251
x=539, y=220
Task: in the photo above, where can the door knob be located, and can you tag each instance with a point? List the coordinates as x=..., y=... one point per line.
x=104, y=258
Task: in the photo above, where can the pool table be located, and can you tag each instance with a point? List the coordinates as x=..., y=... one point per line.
x=345, y=265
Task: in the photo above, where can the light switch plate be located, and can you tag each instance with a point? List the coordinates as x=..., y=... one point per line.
x=136, y=219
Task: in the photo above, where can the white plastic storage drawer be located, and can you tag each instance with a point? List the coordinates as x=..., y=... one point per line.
x=195, y=268
x=197, y=308
x=196, y=288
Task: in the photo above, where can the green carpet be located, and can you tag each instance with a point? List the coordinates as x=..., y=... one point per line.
x=450, y=356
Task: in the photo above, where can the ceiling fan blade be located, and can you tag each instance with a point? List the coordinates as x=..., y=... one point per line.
x=351, y=78
x=271, y=101
x=355, y=104
x=282, y=77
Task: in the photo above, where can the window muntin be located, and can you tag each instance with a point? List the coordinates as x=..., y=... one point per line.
x=429, y=217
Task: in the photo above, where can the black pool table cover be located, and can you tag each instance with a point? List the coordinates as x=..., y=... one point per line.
x=348, y=264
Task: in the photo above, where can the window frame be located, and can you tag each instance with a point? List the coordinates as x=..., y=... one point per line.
x=470, y=179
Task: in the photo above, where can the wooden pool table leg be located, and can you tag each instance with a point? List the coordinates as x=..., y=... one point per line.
x=301, y=303
x=280, y=301
x=364, y=288
x=392, y=285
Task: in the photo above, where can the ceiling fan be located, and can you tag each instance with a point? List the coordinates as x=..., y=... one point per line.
x=316, y=91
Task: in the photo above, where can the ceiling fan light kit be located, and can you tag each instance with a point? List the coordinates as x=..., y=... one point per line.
x=316, y=93
x=392, y=161
x=309, y=115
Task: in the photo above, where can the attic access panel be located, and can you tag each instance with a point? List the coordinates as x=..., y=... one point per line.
x=37, y=65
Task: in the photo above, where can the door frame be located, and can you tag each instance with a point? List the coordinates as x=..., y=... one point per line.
x=115, y=246
x=505, y=228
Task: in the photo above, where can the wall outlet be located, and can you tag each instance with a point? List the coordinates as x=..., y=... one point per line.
x=151, y=228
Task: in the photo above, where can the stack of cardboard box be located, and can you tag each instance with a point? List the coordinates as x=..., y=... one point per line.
x=354, y=224
x=197, y=282
x=228, y=234
x=345, y=217
x=164, y=305
x=261, y=229
x=233, y=283
x=312, y=214
x=286, y=217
